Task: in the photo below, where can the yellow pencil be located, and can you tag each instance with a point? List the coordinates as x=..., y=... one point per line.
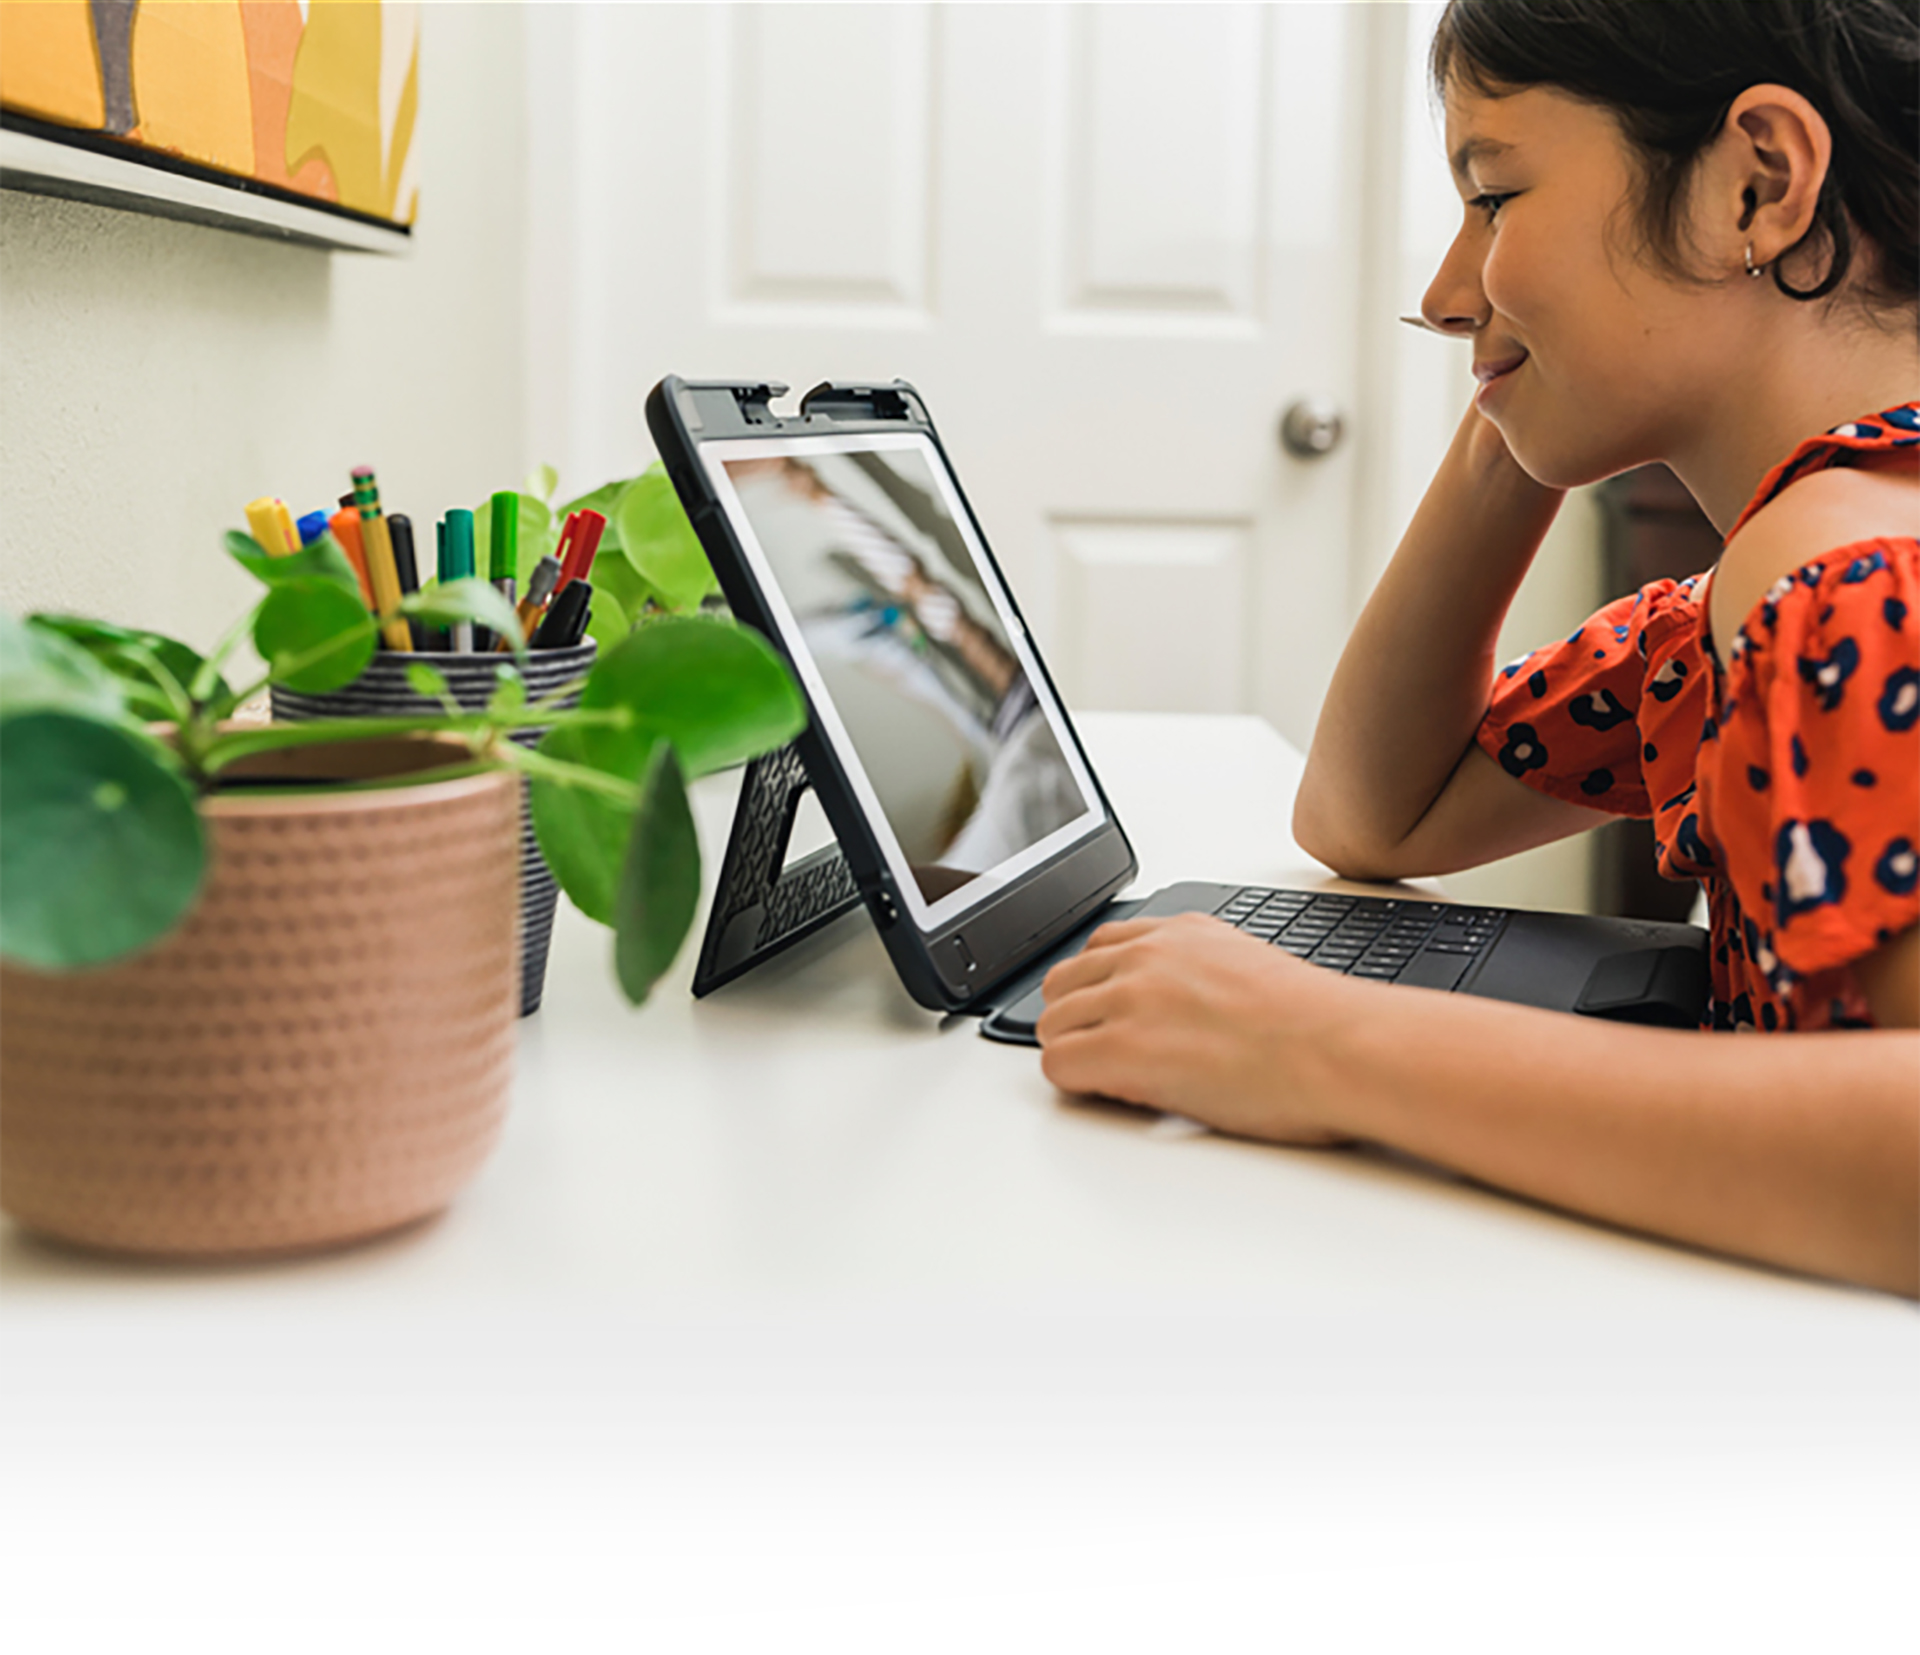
x=381, y=569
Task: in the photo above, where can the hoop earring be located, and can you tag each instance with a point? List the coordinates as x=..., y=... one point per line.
x=1752, y=268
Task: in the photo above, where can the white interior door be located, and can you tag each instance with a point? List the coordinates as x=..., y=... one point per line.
x=1110, y=244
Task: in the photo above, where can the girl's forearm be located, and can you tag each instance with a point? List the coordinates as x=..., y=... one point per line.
x=1412, y=683
x=1802, y=1152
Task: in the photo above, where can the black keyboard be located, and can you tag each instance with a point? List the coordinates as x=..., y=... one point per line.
x=1426, y=944
x=1385, y=939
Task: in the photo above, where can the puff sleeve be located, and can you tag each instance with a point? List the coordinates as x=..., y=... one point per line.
x=1814, y=773
x=1567, y=719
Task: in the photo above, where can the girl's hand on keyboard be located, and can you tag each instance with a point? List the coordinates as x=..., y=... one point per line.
x=1189, y=1015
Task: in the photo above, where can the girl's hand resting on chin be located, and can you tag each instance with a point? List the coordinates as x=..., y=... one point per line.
x=1189, y=1015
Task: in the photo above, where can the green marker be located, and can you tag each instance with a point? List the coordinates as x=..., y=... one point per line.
x=503, y=551
x=456, y=563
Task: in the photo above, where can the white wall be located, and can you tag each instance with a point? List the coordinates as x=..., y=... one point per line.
x=1419, y=386
x=156, y=376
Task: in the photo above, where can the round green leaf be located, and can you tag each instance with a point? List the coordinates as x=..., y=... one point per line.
x=583, y=835
x=101, y=848
x=614, y=577
x=659, y=541
x=315, y=636
x=40, y=668
x=607, y=621
x=121, y=650
x=659, y=880
x=606, y=501
x=717, y=691
x=323, y=560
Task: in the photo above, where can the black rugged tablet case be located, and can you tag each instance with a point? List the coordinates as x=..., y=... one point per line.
x=762, y=906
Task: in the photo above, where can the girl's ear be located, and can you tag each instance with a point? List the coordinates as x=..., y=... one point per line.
x=1775, y=151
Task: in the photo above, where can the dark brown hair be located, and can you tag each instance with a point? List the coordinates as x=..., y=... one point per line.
x=1669, y=70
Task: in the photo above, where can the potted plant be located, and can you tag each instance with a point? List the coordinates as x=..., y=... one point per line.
x=244, y=1003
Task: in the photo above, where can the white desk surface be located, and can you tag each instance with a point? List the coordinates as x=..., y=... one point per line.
x=804, y=1301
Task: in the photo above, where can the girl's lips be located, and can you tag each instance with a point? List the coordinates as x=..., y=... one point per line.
x=1488, y=372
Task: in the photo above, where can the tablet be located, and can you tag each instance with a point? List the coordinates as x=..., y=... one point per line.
x=941, y=753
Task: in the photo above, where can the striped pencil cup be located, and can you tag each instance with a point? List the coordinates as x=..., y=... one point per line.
x=382, y=691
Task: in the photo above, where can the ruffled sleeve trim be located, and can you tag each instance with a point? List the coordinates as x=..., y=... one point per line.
x=1565, y=719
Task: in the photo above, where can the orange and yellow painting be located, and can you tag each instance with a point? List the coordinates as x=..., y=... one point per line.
x=316, y=97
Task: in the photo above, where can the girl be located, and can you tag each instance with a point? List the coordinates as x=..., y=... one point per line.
x=1689, y=236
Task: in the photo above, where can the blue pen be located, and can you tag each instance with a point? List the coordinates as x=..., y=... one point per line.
x=312, y=527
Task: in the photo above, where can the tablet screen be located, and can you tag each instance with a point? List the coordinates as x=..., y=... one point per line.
x=921, y=674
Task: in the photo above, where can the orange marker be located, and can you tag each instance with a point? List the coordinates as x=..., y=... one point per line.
x=345, y=525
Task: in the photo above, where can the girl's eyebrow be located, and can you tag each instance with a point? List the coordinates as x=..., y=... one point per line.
x=1476, y=149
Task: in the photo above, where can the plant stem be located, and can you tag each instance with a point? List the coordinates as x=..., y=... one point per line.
x=224, y=750
x=209, y=673
x=550, y=703
x=480, y=731
x=531, y=762
x=163, y=680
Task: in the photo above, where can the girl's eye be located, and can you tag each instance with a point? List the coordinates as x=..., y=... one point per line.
x=1490, y=203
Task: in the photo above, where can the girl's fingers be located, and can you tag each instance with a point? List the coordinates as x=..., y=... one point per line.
x=1101, y=956
x=1122, y=930
x=1081, y=1008
x=1074, y=976
x=1086, y=968
x=1082, y=1061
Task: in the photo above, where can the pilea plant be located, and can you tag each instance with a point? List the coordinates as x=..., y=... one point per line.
x=650, y=561
x=109, y=736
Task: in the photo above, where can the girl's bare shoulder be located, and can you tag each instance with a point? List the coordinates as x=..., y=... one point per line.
x=1840, y=506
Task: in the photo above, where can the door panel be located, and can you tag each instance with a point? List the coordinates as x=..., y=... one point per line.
x=1109, y=243
x=1156, y=193
x=1188, y=581
x=857, y=234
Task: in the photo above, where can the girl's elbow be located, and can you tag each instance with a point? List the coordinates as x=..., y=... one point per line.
x=1328, y=844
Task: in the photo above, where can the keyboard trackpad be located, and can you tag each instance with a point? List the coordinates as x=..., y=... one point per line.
x=1015, y=1023
x=1434, y=971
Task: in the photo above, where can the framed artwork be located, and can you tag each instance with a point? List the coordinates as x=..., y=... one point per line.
x=288, y=118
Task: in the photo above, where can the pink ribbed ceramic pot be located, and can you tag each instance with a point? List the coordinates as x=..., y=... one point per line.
x=321, y=1051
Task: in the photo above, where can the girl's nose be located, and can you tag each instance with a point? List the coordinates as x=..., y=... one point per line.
x=1454, y=301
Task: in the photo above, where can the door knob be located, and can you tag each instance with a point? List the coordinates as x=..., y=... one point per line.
x=1311, y=427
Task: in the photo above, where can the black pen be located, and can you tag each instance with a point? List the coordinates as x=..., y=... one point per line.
x=566, y=622
x=400, y=532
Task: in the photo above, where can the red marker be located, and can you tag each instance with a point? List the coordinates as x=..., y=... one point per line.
x=579, y=540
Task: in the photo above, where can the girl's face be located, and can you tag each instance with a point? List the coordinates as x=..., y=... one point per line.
x=1591, y=359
